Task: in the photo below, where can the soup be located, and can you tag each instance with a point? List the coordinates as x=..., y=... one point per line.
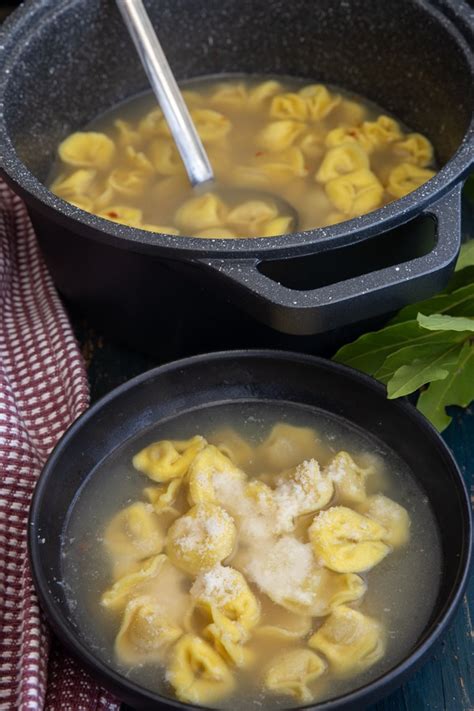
x=251, y=554
x=328, y=155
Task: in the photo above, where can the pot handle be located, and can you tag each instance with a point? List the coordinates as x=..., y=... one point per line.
x=308, y=312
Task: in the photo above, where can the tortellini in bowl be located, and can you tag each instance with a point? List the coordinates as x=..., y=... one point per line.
x=247, y=564
x=283, y=142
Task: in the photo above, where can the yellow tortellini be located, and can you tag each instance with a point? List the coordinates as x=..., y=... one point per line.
x=197, y=672
x=280, y=135
x=201, y=212
x=132, y=584
x=146, y=632
x=341, y=160
x=163, y=498
x=393, y=517
x=261, y=561
x=168, y=459
x=270, y=136
x=355, y=193
x=319, y=100
x=212, y=475
x=201, y=538
x=350, y=641
x=407, y=177
x=286, y=446
x=349, y=479
x=346, y=541
x=291, y=673
x=87, y=149
x=134, y=532
x=235, y=447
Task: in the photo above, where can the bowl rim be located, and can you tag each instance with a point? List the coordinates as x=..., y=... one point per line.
x=29, y=19
x=374, y=689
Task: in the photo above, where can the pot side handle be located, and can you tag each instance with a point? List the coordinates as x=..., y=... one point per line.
x=308, y=312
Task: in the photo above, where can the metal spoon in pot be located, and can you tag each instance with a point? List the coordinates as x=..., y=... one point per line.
x=175, y=111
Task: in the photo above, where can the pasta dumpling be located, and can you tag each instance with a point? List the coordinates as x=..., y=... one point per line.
x=341, y=160
x=277, y=226
x=227, y=640
x=201, y=212
x=347, y=542
x=132, y=584
x=407, y=177
x=129, y=183
x=163, y=498
x=197, y=672
x=168, y=459
x=381, y=131
x=301, y=491
x=280, y=135
x=224, y=590
x=233, y=446
x=286, y=446
x=151, y=124
x=75, y=185
x=289, y=106
x=261, y=93
x=201, y=538
x=165, y=157
x=291, y=673
x=211, y=125
x=323, y=590
x=349, y=479
x=393, y=517
x=230, y=95
x=134, y=532
x=128, y=137
x=87, y=149
x=416, y=149
x=146, y=632
x=211, y=473
x=280, y=167
x=319, y=100
x=355, y=193
x=350, y=641
x=248, y=216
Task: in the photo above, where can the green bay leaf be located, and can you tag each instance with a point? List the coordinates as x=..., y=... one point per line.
x=456, y=303
x=466, y=256
x=408, y=378
x=440, y=343
x=456, y=389
x=445, y=322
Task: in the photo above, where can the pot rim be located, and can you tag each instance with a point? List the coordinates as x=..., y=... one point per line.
x=374, y=689
x=31, y=16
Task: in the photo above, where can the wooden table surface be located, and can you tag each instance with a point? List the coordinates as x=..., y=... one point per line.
x=446, y=682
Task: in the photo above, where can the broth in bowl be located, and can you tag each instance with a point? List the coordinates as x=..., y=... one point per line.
x=331, y=156
x=251, y=555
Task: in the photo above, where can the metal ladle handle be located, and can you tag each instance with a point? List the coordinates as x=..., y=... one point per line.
x=166, y=91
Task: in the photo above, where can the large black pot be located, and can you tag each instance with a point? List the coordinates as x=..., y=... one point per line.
x=63, y=63
x=251, y=376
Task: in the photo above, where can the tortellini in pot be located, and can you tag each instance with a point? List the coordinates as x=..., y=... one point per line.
x=351, y=641
x=128, y=183
x=213, y=477
x=349, y=479
x=302, y=491
x=224, y=590
x=165, y=158
x=201, y=212
x=355, y=193
x=323, y=590
x=197, y=672
x=289, y=106
x=211, y=125
x=393, y=517
x=75, y=185
x=416, y=149
x=232, y=96
x=346, y=541
x=227, y=640
x=87, y=149
x=291, y=673
x=262, y=93
x=290, y=626
x=232, y=445
x=163, y=498
x=146, y=632
x=280, y=135
x=286, y=446
x=201, y=538
x=382, y=131
x=168, y=459
x=284, y=166
x=135, y=532
x=407, y=177
x=319, y=100
x=250, y=215
x=341, y=160
x=132, y=584
x=127, y=135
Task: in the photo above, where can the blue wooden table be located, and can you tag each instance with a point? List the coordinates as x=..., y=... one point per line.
x=446, y=682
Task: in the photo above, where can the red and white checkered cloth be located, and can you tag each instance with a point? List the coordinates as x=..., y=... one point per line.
x=43, y=388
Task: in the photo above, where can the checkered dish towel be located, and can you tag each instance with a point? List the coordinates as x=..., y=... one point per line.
x=43, y=388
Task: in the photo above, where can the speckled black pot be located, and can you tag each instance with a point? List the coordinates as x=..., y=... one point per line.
x=63, y=63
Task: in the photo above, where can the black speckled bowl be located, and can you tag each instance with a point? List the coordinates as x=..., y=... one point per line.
x=61, y=64
x=184, y=386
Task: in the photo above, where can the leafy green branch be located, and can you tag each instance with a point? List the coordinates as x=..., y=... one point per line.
x=427, y=346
